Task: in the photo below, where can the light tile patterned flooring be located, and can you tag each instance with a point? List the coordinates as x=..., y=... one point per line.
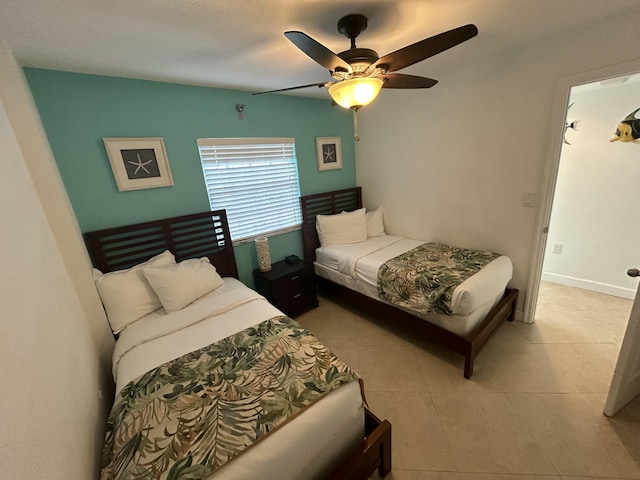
x=531, y=411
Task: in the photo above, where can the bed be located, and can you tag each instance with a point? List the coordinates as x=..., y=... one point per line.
x=350, y=271
x=168, y=361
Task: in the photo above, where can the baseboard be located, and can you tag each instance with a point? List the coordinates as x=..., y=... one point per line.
x=589, y=285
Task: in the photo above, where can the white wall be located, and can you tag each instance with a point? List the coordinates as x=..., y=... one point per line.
x=596, y=213
x=54, y=340
x=451, y=163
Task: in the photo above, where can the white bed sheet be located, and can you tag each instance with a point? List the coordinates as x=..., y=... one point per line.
x=336, y=421
x=355, y=266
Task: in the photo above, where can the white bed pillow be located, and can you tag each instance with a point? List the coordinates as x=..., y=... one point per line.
x=182, y=283
x=346, y=227
x=126, y=294
x=375, y=223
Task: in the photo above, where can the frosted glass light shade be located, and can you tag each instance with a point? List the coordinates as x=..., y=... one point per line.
x=356, y=92
x=262, y=251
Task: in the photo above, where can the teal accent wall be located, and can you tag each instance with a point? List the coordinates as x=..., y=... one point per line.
x=79, y=110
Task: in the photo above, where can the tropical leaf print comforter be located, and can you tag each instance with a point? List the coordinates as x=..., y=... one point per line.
x=192, y=415
x=424, y=278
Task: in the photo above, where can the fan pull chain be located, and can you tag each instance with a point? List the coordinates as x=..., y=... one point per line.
x=356, y=136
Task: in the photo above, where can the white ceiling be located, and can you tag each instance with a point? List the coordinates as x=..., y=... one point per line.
x=240, y=44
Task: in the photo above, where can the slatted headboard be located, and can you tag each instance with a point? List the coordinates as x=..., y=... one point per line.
x=203, y=234
x=328, y=203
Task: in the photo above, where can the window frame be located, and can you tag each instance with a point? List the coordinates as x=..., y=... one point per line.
x=235, y=145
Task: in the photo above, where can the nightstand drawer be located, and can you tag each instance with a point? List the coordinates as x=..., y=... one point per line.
x=291, y=288
x=296, y=290
x=293, y=284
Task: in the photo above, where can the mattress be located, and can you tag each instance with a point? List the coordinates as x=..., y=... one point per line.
x=306, y=447
x=355, y=266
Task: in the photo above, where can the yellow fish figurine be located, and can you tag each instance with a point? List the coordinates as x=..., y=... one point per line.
x=628, y=129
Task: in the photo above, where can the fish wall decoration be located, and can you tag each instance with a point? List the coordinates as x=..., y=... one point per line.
x=628, y=129
x=573, y=125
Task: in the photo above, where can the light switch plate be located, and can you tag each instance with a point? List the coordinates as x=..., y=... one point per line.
x=529, y=200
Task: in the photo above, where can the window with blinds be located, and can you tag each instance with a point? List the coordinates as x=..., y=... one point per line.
x=256, y=181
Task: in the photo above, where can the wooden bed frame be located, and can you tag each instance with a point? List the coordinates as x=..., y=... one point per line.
x=469, y=345
x=207, y=234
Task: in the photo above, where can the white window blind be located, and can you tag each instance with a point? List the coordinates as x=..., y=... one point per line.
x=256, y=181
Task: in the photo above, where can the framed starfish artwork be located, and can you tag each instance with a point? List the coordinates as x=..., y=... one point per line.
x=329, y=153
x=138, y=163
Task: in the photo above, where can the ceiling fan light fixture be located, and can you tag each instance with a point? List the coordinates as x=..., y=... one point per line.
x=355, y=92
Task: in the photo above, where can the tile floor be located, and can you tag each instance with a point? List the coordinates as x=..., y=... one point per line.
x=531, y=411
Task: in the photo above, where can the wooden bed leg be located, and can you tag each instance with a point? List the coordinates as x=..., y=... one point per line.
x=373, y=453
x=385, y=454
x=468, y=366
x=514, y=303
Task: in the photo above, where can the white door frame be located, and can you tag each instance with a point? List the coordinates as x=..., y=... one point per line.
x=550, y=173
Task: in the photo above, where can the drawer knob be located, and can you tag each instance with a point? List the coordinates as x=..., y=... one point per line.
x=295, y=278
x=297, y=295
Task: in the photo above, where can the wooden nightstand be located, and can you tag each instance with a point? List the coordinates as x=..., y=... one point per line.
x=291, y=288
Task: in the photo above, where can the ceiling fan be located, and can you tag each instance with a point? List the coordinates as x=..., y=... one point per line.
x=359, y=73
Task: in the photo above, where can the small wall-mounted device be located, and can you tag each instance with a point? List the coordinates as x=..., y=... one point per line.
x=291, y=259
x=240, y=109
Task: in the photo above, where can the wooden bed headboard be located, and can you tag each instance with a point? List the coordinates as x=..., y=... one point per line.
x=203, y=234
x=328, y=203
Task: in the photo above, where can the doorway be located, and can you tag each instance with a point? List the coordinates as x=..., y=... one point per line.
x=576, y=261
x=585, y=296
x=588, y=216
x=593, y=228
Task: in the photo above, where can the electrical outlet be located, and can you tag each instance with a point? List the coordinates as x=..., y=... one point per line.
x=557, y=248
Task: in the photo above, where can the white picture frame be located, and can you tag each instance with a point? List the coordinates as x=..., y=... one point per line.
x=329, y=153
x=138, y=163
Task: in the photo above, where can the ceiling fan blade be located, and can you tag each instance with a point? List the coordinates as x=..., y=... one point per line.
x=400, y=80
x=318, y=52
x=319, y=85
x=425, y=48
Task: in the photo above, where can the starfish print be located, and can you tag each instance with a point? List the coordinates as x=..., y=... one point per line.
x=140, y=165
x=328, y=156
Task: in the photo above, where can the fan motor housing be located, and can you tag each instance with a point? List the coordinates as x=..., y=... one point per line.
x=359, y=58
